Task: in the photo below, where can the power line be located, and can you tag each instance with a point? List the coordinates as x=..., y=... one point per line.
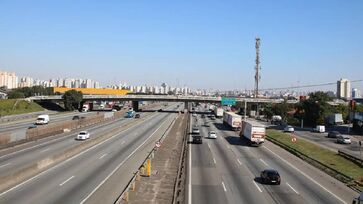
x=307, y=86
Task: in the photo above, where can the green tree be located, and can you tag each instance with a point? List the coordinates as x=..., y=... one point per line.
x=72, y=99
x=315, y=108
x=343, y=109
x=15, y=95
x=359, y=108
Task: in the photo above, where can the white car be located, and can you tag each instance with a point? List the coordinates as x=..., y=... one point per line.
x=212, y=135
x=344, y=139
x=83, y=135
x=195, y=130
x=289, y=128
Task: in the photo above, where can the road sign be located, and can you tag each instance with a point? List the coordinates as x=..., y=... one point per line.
x=228, y=101
x=293, y=139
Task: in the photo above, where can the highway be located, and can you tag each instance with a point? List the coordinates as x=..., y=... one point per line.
x=20, y=159
x=74, y=180
x=226, y=170
x=25, y=123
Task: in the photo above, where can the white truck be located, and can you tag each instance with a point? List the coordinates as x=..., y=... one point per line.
x=233, y=120
x=254, y=132
x=42, y=120
x=218, y=112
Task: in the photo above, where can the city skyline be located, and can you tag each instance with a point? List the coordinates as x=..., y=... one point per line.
x=184, y=43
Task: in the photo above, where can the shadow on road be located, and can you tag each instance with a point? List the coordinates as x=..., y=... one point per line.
x=234, y=140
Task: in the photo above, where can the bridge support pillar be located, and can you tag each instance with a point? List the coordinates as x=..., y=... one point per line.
x=135, y=105
x=186, y=105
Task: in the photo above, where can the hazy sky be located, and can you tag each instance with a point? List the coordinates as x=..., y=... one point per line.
x=203, y=44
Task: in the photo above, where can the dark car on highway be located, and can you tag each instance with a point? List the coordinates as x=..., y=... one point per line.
x=334, y=134
x=197, y=139
x=270, y=176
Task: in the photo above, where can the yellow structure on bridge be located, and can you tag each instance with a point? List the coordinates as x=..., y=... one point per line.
x=92, y=91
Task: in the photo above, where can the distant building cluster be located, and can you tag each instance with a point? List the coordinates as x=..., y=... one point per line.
x=150, y=89
x=11, y=81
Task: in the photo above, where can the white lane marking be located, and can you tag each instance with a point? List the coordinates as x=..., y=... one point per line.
x=123, y=142
x=263, y=162
x=257, y=186
x=214, y=160
x=292, y=166
x=66, y=181
x=228, y=147
x=103, y=156
x=5, y=165
x=109, y=175
x=44, y=150
x=224, y=187
x=208, y=146
x=292, y=188
x=65, y=161
x=239, y=162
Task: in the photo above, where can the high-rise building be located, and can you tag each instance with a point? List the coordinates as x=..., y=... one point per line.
x=8, y=79
x=356, y=93
x=343, y=89
x=26, y=82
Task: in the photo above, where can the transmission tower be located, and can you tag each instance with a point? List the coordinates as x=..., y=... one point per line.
x=258, y=66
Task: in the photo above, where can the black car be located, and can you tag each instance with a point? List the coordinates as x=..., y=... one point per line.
x=197, y=139
x=137, y=115
x=270, y=176
x=160, y=110
x=334, y=134
x=202, y=116
x=76, y=117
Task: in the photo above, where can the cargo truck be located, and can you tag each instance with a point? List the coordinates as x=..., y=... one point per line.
x=334, y=119
x=218, y=112
x=87, y=107
x=232, y=120
x=254, y=132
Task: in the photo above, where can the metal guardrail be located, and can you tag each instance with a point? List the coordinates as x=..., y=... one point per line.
x=137, y=173
x=352, y=158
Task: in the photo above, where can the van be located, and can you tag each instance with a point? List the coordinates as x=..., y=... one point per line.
x=319, y=129
x=42, y=120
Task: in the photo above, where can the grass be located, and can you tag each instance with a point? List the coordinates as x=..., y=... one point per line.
x=7, y=107
x=320, y=154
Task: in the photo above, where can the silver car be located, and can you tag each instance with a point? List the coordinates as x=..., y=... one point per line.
x=344, y=139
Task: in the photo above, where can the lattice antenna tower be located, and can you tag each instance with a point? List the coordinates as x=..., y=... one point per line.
x=258, y=66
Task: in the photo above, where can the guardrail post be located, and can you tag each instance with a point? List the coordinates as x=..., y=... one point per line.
x=138, y=177
x=133, y=185
x=148, y=167
x=126, y=196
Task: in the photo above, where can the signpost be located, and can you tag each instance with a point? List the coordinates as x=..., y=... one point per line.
x=228, y=101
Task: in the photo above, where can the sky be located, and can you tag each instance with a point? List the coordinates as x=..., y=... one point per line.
x=201, y=44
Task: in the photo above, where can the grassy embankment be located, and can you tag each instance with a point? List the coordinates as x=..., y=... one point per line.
x=324, y=159
x=12, y=107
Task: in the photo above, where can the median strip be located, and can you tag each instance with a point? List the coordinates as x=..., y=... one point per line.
x=328, y=161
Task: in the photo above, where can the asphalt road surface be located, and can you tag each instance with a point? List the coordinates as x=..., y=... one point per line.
x=227, y=170
x=73, y=180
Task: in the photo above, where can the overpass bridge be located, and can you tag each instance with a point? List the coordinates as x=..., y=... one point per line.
x=167, y=98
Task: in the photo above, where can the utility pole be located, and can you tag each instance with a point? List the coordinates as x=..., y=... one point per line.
x=257, y=69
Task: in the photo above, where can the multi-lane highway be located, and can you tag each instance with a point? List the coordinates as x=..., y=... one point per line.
x=25, y=123
x=77, y=178
x=227, y=170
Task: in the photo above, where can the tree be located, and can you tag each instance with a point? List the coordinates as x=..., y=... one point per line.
x=314, y=109
x=359, y=108
x=343, y=109
x=72, y=99
x=15, y=95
